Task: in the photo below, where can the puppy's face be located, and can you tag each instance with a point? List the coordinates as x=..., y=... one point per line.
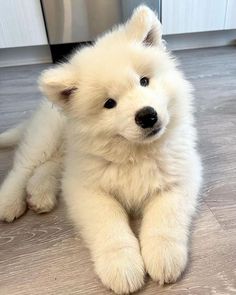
x=118, y=92
x=117, y=87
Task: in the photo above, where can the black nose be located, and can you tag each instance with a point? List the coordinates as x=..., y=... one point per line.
x=146, y=117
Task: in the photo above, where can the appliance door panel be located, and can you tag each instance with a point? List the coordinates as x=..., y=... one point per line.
x=83, y=20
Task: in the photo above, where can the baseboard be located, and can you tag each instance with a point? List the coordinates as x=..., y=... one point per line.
x=41, y=54
x=25, y=55
x=200, y=40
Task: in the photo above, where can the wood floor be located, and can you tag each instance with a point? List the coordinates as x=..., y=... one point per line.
x=42, y=255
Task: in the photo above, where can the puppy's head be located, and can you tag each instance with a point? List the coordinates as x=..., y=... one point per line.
x=122, y=86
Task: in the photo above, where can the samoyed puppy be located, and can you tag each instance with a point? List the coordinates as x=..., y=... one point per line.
x=119, y=121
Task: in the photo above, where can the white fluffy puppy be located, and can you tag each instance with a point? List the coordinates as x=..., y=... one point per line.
x=129, y=146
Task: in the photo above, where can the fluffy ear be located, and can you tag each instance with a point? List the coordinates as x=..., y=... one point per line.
x=144, y=27
x=57, y=84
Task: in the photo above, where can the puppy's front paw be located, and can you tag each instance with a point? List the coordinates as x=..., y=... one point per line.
x=41, y=196
x=121, y=270
x=41, y=202
x=164, y=258
x=11, y=206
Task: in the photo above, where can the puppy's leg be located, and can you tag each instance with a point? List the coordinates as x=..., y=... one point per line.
x=44, y=185
x=12, y=204
x=164, y=234
x=40, y=142
x=114, y=248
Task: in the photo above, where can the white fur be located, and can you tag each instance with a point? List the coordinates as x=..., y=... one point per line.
x=41, y=142
x=111, y=168
x=12, y=136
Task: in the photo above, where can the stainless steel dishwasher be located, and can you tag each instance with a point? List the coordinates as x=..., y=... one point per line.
x=72, y=23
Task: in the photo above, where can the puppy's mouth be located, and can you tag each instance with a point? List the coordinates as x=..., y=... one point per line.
x=153, y=132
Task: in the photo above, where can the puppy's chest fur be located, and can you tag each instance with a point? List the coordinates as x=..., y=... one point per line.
x=132, y=183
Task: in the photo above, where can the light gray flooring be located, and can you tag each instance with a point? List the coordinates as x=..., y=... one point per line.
x=42, y=254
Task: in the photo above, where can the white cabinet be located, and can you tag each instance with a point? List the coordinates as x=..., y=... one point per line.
x=186, y=16
x=230, y=19
x=21, y=23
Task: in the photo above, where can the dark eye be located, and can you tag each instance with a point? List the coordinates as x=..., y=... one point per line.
x=144, y=81
x=110, y=103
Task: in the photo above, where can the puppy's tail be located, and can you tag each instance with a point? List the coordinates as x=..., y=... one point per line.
x=12, y=136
